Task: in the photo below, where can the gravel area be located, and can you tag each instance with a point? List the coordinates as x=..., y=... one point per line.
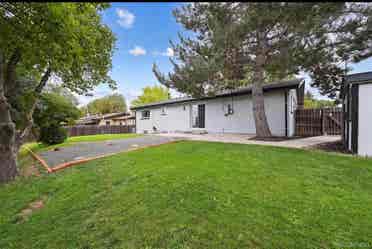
x=92, y=149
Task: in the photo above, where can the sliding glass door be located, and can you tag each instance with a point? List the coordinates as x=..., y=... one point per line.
x=198, y=116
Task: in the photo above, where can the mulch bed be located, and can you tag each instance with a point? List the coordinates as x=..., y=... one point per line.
x=273, y=138
x=331, y=147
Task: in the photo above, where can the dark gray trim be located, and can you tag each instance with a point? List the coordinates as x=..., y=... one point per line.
x=346, y=127
x=286, y=112
x=284, y=85
x=354, y=117
x=359, y=78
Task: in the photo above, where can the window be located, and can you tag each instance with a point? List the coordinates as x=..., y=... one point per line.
x=145, y=114
x=107, y=122
x=163, y=111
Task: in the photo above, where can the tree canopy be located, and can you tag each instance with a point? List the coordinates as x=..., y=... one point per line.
x=242, y=43
x=151, y=94
x=108, y=104
x=55, y=109
x=311, y=102
x=39, y=41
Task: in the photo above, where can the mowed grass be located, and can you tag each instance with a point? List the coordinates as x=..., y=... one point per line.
x=196, y=195
x=72, y=140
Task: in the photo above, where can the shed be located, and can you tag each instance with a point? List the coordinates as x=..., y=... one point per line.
x=357, y=107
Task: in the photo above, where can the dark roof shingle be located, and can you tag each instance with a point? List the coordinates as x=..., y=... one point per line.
x=243, y=90
x=359, y=77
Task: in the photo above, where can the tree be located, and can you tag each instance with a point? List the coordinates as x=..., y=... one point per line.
x=248, y=43
x=151, y=94
x=108, y=104
x=311, y=102
x=52, y=111
x=43, y=40
x=62, y=91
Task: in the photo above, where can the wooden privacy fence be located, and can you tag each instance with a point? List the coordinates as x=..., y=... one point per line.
x=317, y=122
x=81, y=130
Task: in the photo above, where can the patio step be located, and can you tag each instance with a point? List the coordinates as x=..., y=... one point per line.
x=199, y=132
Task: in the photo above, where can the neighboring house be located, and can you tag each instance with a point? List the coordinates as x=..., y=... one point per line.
x=227, y=112
x=357, y=106
x=122, y=118
x=88, y=120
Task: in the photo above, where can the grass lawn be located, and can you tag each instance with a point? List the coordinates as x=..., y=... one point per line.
x=196, y=195
x=71, y=140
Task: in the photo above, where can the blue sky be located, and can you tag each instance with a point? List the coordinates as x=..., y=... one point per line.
x=143, y=31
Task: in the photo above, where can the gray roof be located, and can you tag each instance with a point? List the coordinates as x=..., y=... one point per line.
x=115, y=114
x=359, y=77
x=97, y=117
x=295, y=83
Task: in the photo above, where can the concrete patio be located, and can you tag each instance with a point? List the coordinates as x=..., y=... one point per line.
x=246, y=139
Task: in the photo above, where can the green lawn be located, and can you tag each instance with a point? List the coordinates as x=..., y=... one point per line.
x=196, y=195
x=72, y=140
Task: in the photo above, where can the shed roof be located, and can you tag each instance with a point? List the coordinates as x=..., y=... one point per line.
x=358, y=78
x=295, y=83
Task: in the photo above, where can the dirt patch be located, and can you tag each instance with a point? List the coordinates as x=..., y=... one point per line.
x=331, y=147
x=27, y=212
x=273, y=138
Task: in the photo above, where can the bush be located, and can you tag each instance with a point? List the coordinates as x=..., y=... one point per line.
x=52, y=134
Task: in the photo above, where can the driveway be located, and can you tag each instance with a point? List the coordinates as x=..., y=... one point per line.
x=85, y=150
x=247, y=139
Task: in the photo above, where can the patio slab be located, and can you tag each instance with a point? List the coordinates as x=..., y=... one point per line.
x=247, y=139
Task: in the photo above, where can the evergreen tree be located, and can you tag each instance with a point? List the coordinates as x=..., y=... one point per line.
x=250, y=43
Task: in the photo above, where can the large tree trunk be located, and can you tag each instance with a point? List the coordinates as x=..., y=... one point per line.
x=260, y=120
x=8, y=146
x=8, y=151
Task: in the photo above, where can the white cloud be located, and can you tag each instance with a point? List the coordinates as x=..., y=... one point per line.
x=169, y=52
x=126, y=18
x=137, y=51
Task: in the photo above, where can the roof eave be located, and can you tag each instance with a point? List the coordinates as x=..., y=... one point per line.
x=266, y=88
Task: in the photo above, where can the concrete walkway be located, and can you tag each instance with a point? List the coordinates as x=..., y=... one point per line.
x=244, y=139
x=81, y=151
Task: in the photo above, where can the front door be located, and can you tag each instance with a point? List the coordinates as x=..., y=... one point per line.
x=198, y=116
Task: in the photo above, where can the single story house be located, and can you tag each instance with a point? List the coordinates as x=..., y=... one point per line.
x=357, y=106
x=226, y=112
x=121, y=118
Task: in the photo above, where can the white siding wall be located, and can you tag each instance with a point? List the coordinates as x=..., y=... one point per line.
x=365, y=120
x=176, y=119
x=241, y=121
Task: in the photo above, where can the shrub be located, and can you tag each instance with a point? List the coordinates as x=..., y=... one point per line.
x=52, y=134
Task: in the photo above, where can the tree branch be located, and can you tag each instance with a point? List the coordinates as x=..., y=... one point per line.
x=22, y=135
x=11, y=71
